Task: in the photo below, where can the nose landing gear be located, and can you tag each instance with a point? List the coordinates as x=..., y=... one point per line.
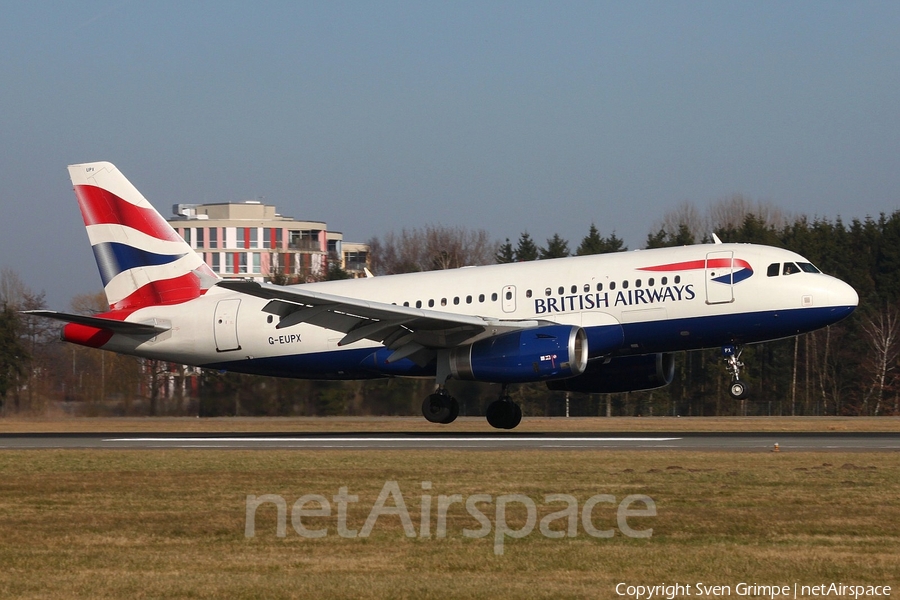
x=738, y=389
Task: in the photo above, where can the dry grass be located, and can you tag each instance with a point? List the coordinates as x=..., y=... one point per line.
x=170, y=523
x=463, y=424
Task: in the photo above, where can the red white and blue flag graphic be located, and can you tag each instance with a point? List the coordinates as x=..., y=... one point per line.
x=734, y=270
x=142, y=260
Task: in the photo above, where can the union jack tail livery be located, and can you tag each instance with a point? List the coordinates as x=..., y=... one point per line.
x=142, y=260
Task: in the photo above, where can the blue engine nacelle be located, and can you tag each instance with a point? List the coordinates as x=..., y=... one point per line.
x=622, y=374
x=539, y=354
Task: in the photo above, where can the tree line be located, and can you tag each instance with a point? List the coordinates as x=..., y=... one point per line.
x=847, y=369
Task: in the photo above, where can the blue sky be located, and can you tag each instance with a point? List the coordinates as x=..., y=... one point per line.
x=508, y=116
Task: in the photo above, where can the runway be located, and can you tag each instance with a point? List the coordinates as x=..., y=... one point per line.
x=842, y=441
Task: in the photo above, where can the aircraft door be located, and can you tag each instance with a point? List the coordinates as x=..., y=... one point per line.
x=225, y=325
x=508, y=298
x=719, y=277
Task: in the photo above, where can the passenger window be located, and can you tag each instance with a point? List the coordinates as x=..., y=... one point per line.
x=418, y=304
x=612, y=285
x=528, y=293
x=494, y=297
x=599, y=287
x=456, y=300
x=548, y=291
x=406, y=304
x=509, y=295
x=468, y=299
x=431, y=303
x=562, y=290
x=773, y=269
x=481, y=297
x=625, y=285
x=637, y=283
x=574, y=289
x=443, y=302
x=650, y=282
x=790, y=269
x=665, y=280
x=677, y=279
x=587, y=288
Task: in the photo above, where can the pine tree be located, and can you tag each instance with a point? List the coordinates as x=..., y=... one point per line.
x=613, y=244
x=591, y=244
x=556, y=248
x=526, y=250
x=505, y=254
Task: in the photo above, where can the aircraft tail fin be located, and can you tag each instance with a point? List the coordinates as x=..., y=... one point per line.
x=142, y=260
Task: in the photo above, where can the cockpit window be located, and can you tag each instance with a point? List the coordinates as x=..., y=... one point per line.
x=790, y=269
x=808, y=267
x=773, y=270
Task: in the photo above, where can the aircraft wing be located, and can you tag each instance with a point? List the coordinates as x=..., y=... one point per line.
x=124, y=327
x=411, y=332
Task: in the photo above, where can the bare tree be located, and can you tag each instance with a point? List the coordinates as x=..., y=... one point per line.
x=12, y=288
x=882, y=333
x=732, y=211
x=96, y=376
x=685, y=215
x=431, y=248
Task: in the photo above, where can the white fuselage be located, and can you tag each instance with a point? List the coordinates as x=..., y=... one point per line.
x=664, y=300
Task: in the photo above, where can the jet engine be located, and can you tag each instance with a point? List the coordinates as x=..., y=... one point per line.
x=539, y=354
x=621, y=374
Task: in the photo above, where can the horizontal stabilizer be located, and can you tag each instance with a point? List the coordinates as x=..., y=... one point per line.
x=123, y=327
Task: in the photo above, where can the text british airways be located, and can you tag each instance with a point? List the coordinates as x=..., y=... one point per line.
x=600, y=300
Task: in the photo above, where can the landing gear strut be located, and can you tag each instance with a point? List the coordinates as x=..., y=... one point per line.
x=503, y=413
x=440, y=407
x=737, y=389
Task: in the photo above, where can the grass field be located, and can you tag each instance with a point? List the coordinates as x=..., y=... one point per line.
x=171, y=523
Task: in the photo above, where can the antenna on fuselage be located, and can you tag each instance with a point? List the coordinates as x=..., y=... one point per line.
x=716, y=239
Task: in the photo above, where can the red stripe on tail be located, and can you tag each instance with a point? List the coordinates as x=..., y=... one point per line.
x=100, y=207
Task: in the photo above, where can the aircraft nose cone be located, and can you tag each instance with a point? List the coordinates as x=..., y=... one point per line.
x=843, y=298
x=850, y=296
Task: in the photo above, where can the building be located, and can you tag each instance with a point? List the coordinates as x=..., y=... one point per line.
x=250, y=239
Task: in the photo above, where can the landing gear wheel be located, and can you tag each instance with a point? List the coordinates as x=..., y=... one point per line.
x=732, y=355
x=738, y=389
x=503, y=413
x=440, y=408
x=516, y=416
x=454, y=411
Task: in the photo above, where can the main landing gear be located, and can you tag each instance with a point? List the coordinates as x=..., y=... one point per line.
x=441, y=407
x=503, y=413
x=733, y=364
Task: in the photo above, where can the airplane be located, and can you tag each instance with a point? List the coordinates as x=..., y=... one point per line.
x=593, y=324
